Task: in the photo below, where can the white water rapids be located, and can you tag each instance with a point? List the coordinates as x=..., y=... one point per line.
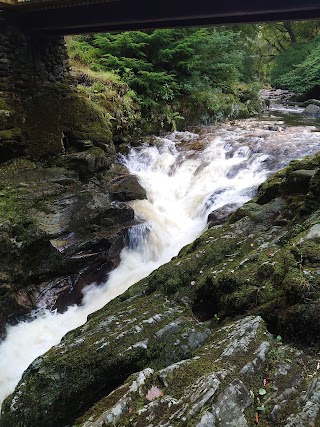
x=183, y=186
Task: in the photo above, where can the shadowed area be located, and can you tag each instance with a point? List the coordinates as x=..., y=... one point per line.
x=74, y=16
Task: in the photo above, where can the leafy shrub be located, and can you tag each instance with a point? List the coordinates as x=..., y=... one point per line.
x=172, y=72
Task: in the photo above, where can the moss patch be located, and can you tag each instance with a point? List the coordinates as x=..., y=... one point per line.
x=51, y=114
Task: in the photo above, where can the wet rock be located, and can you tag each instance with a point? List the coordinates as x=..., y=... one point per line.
x=57, y=236
x=220, y=215
x=260, y=213
x=89, y=162
x=312, y=110
x=298, y=181
x=55, y=219
x=83, y=263
x=125, y=188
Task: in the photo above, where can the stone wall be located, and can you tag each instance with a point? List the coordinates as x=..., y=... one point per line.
x=41, y=112
x=27, y=60
x=26, y=63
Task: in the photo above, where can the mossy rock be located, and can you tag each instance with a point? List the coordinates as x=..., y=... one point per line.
x=53, y=114
x=312, y=101
x=259, y=213
x=86, y=163
x=80, y=377
x=11, y=144
x=297, y=177
x=6, y=119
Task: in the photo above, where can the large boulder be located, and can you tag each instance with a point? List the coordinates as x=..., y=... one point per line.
x=312, y=110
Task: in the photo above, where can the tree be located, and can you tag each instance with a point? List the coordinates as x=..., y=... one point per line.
x=289, y=52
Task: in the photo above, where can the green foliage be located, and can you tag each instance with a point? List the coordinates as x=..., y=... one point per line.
x=290, y=53
x=81, y=51
x=204, y=74
x=173, y=72
x=300, y=68
x=288, y=60
x=115, y=100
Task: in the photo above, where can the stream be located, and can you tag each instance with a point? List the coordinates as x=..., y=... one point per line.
x=186, y=175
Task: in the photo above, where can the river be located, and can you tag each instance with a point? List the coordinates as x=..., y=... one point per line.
x=186, y=176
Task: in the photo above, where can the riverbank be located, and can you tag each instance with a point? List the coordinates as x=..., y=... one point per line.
x=59, y=146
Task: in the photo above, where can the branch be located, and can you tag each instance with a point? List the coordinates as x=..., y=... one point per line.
x=274, y=46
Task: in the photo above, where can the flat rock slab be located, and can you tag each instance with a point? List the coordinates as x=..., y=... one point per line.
x=218, y=387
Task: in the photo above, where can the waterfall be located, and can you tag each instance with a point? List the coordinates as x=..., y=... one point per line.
x=183, y=185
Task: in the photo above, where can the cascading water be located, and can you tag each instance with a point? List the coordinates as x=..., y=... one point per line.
x=183, y=185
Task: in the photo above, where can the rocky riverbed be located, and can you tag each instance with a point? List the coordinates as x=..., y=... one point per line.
x=196, y=363
x=225, y=334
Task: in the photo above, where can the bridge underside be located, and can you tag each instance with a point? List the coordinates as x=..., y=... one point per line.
x=76, y=17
